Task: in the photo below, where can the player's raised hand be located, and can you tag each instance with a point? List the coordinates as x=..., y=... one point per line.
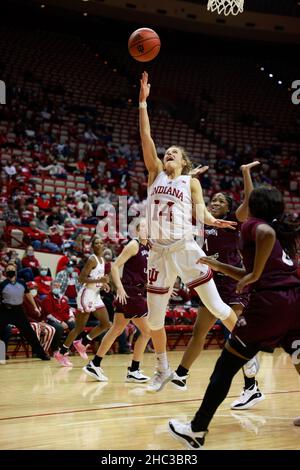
x=198, y=171
x=221, y=223
x=249, y=166
x=145, y=87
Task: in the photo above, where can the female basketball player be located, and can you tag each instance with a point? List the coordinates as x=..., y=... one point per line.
x=88, y=301
x=171, y=194
x=130, y=305
x=270, y=319
x=225, y=243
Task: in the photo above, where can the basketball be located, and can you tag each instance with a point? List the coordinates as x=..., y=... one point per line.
x=144, y=44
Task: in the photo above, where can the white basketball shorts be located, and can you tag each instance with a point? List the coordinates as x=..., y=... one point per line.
x=89, y=300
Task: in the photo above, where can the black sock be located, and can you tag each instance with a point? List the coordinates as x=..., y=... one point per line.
x=181, y=371
x=135, y=365
x=225, y=369
x=63, y=350
x=249, y=382
x=97, y=361
x=86, y=340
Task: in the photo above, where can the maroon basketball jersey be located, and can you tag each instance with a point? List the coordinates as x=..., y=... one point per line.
x=135, y=269
x=279, y=272
x=223, y=241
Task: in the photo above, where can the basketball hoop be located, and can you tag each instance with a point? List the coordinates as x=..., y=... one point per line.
x=227, y=7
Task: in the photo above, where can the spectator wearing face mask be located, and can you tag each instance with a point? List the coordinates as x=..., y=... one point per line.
x=69, y=281
x=58, y=312
x=24, y=274
x=43, y=330
x=12, y=294
x=43, y=282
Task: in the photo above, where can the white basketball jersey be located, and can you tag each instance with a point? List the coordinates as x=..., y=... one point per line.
x=96, y=273
x=169, y=209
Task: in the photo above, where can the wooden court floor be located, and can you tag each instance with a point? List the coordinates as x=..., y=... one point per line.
x=44, y=406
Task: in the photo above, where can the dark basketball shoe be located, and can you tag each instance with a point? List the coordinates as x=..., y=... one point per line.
x=249, y=397
x=183, y=432
x=43, y=357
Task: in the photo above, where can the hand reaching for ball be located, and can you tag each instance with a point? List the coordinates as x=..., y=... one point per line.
x=145, y=87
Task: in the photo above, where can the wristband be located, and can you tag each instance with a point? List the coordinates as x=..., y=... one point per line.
x=142, y=104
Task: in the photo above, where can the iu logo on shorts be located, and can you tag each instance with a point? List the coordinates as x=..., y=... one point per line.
x=152, y=275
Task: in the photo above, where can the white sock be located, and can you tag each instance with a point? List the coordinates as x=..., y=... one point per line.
x=162, y=362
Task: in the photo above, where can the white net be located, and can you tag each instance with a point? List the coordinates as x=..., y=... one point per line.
x=227, y=7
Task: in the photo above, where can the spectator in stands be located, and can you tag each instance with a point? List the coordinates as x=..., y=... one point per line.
x=70, y=231
x=56, y=233
x=10, y=169
x=41, y=222
x=30, y=261
x=12, y=293
x=84, y=206
x=58, y=170
x=58, y=312
x=43, y=331
x=44, y=202
x=104, y=197
x=38, y=238
x=24, y=274
x=55, y=214
x=43, y=282
x=69, y=281
x=89, y=136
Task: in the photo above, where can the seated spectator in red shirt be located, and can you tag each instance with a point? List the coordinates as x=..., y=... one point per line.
x=44, y=332
x=33, y=233
x=30, y=261
x=56, y=232
x=43, y=282
x=44, y=202
x=58, y=312
x=39, y=239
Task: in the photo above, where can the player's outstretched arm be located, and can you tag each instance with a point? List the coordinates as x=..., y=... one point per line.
x=130, y=250
x=242, y=211
x=152, y=162
x=201, y=211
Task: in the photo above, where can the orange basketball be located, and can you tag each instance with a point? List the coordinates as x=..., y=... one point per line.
x=144, y=44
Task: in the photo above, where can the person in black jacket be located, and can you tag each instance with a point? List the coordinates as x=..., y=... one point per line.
x=12, y=292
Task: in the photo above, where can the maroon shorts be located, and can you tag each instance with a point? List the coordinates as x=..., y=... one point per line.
x=136, y=305
x=227, y=290
x=271, y=319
